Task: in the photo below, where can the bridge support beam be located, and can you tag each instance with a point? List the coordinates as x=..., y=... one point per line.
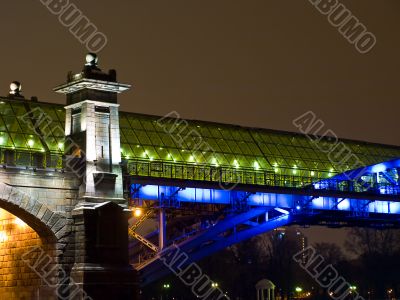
x=162, y=228
x=102, y=269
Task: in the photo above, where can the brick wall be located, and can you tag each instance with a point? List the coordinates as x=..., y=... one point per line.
x=17, y=279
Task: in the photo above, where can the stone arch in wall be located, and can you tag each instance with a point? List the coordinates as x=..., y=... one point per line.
x=32, y=239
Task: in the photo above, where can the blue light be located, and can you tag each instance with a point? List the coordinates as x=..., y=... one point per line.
x=298, y=207
x=285, y=212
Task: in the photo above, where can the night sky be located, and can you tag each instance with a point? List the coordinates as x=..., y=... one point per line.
x=256, y=62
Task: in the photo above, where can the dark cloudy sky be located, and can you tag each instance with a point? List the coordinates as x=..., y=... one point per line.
x=255, y=62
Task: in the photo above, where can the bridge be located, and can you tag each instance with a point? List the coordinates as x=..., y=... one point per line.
x=83, y=184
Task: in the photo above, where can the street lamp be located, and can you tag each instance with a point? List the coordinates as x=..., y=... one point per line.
x=298, y=289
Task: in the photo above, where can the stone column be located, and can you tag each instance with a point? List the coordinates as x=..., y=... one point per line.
x=102, y=269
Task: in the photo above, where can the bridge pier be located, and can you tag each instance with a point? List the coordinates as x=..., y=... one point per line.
x=102, y=269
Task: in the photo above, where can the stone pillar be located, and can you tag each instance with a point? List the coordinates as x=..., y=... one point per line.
x=102, y=269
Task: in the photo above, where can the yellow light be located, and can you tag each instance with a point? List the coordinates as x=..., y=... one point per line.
x=137, y=212
x=3, y=237
x=19, y=222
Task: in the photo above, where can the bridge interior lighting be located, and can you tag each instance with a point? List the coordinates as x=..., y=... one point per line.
x=215, y=162
x=256, y=165
x=145, y=153
x=166, y=286
x=353, y=288
x=3, y=237
x=236, y=163
x=276, y=170
x=191, y=158
x=298, y=289
x=151, y=158
x=312, y=173
x=298, y=207
x=19, y=222
x=61, y=145
x=294, y=169
x=31, y=143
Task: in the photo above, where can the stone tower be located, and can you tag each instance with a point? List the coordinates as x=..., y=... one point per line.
x=92, y=131
x=101, y=266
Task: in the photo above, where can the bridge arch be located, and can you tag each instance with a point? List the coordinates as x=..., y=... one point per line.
x=30, y=234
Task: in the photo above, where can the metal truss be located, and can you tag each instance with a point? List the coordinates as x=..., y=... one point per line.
x=372, y=199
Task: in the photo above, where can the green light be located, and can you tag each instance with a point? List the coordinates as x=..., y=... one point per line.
x=276, y=170
x=191, y=158
x=1, y=140
x=295, y=169
x=353, y=287
x=256, y=165
x=61, y=145
x=215, y=162
x=235, y=162
x=312, y=173
x=31, y=143
x=166, y=286
x=299, y=289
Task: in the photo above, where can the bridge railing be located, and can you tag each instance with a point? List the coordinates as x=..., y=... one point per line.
x=228, y=175
x=34, y=159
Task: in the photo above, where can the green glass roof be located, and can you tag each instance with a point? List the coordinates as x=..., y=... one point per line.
x=150, y=138
x=20, y=130
x=147, y=139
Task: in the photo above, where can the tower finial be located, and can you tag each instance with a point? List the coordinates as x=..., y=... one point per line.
x=15, y=89
x=92, y=59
